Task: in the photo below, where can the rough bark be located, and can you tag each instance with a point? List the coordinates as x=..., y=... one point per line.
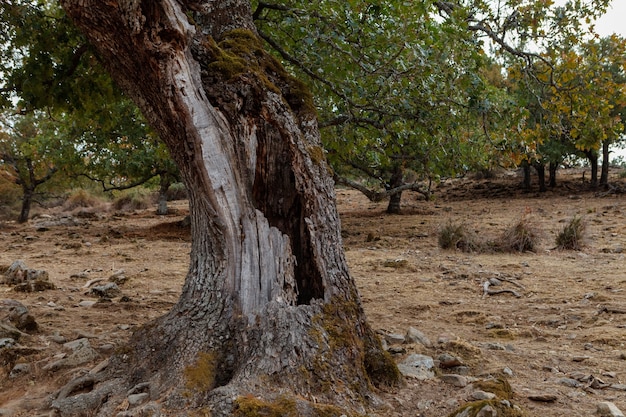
x=526, y=183
x=268, y=307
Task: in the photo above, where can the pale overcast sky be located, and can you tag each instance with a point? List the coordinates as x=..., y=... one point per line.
x=614, y=21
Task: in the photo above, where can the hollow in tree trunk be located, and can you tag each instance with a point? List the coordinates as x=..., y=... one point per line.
x=268, y=308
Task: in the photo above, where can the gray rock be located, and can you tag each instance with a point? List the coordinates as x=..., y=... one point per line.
x=7, y=331
x=119, y=277
x=16, y=313
x=25, y=279
x=137, y=399
x=453, y=379
x=82, y=354
x=487, y=411
x=569, y=382
x=413, y=335
x=86, y=303
x=618, y=387
x=507, y=371
x=608, y=409
x=417, y=366
x=19, y=369
x=394, y=338
x=7, y=342
x=108, y=290
x=543, y=397
x=482, y=395
x=448, y=361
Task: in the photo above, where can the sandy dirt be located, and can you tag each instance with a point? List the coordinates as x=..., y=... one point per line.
x=568, y=323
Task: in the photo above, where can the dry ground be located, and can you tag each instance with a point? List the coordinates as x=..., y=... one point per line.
x=568, y=322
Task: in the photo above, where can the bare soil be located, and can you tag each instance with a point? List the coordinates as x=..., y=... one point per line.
x=569, y=320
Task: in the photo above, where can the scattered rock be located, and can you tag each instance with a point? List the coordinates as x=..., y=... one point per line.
x=608, y=409
x=86, y=303
x=417, y=366
x=448, y=361
x=453, y=379
x=109, y=290
x=8, y=331
x=7, y=342
x=569, y=382
x=16, y=313
x=82, y=354
x=394, y=338
x=487, y=411
x=415, y=336
x=19, y=369
x=543, y=398
x=25, y=279
x=119, y=277
x=137, y=399
x=507, y=371
x=483, y=395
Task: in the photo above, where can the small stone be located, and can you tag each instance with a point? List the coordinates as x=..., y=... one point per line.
x=7, y=342
x=19, y=369
x=543, y=398
x=413, y=335
x=119, y=277
x=569, y=382
x=76, y=344
x=618, y=387
x=453, y=379
x=608, y=409
x=123, y=326
x=448, y=361
x=109, y=290
x=580, y=358
x=86, y=303
x=487, y=411
x=137, y=399
x=417, y=366
x=394, y=338
x=507, y=371
x=396, y=350
x=482, y=395
x=495, y=346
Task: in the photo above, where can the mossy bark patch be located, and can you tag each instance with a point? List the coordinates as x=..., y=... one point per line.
x=200, y=377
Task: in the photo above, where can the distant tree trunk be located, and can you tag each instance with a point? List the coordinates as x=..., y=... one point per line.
x=592, y=156
x=553, y=167
x=268, y=308
x=27, y=199
x=604, y=176
x=541, y=175
x=164, y=185
x=526, y=184
x=397, y=179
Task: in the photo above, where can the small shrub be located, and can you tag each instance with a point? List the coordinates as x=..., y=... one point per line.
x=457, y=236
x=133, y=199
x=522, y=236
x=571, y=237
x=177, y=191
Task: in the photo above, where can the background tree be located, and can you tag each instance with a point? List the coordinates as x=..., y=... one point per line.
x=268, y=290
x=31, y=153
x=51, y=68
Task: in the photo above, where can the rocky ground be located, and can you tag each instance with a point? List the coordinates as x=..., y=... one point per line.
x=556, y=334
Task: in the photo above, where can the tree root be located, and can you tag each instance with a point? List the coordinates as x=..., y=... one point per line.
x=488, y=291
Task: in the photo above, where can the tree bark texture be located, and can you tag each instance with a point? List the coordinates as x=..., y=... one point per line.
x=268, y=307
x=604, y=174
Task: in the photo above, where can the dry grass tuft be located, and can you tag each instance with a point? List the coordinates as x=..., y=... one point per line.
x=522, y=236
x=134, y=199
x=571, y=237
x=458, y=236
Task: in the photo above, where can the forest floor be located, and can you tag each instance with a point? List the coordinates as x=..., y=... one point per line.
x=564, y=337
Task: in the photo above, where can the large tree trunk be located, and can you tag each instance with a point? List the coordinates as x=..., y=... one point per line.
x=268, y=307
x=553, y=167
